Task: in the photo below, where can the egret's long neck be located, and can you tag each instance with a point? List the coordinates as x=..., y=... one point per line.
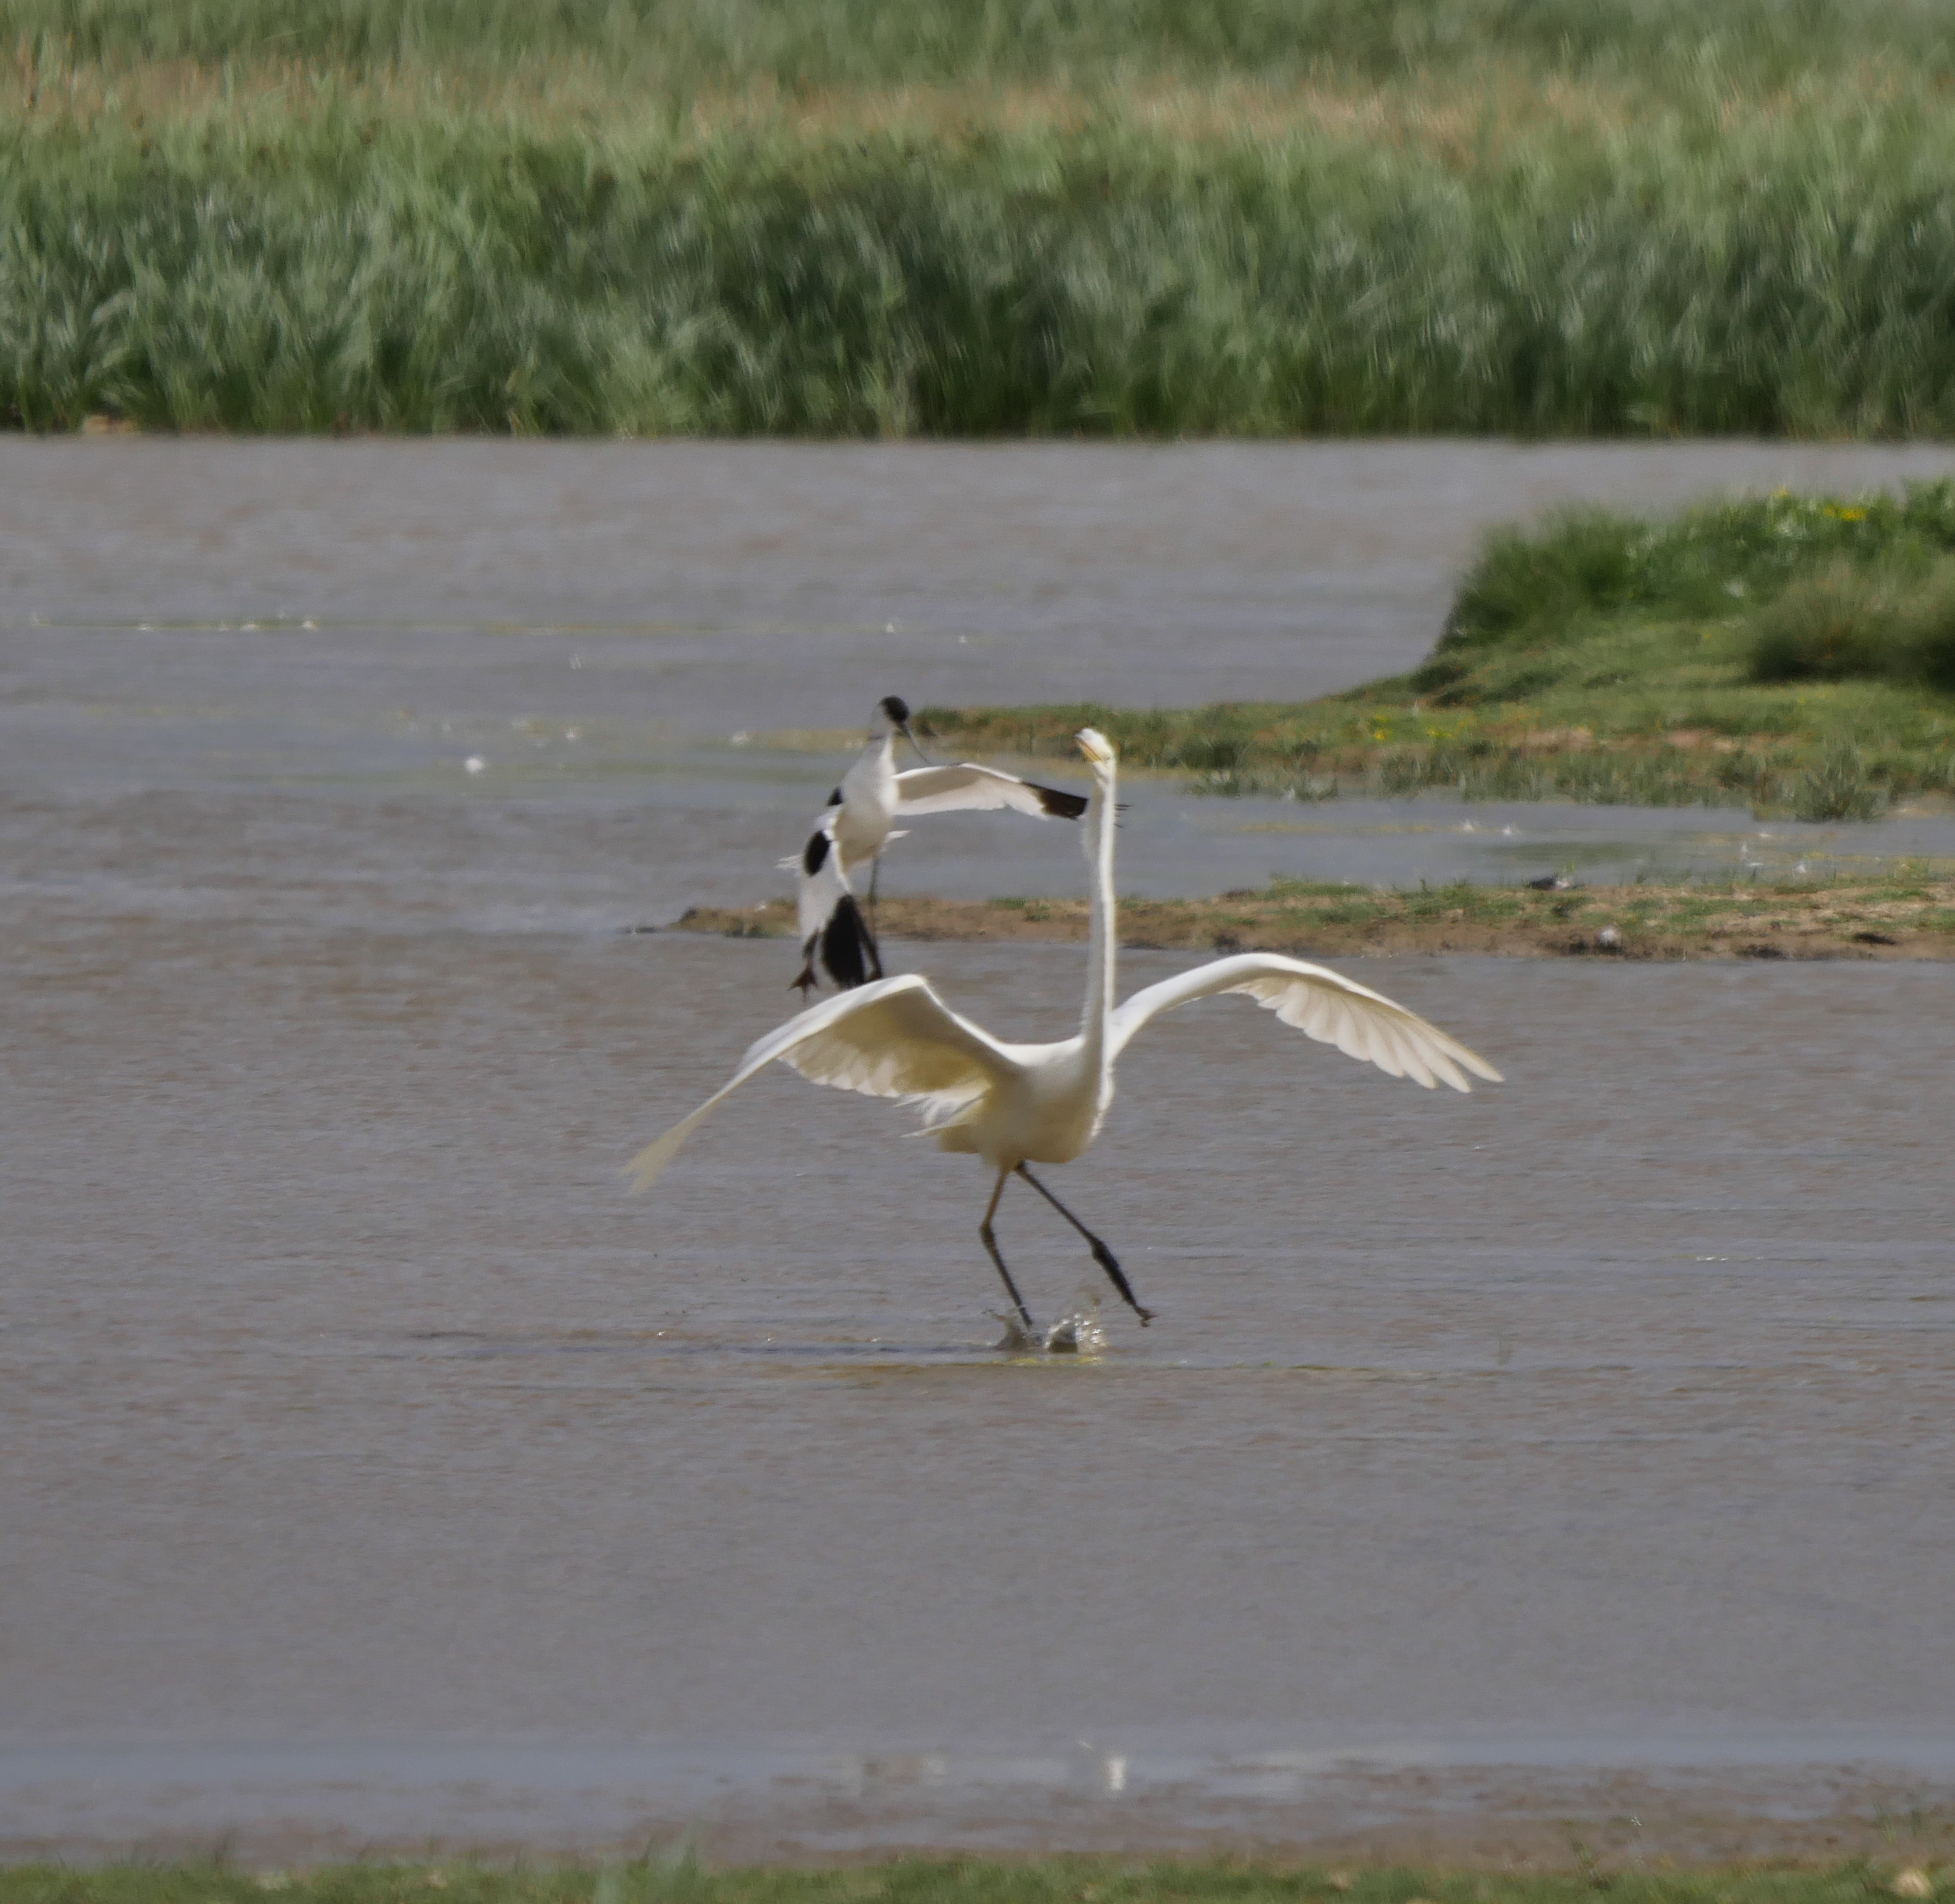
x=1100, y=818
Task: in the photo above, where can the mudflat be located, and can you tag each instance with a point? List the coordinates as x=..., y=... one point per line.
x=1905, y=915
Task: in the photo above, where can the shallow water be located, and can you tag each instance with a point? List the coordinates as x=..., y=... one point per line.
x=375, y=1467
x=251, y=676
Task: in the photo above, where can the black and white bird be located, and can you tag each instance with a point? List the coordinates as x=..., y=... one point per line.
x=832, y=928
x=861, y=820
x=1014, y=1105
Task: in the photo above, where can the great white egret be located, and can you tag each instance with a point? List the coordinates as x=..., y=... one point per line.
x=861, y=821
x=1013, y=1105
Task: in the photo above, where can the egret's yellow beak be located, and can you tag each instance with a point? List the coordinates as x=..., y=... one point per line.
x=1096, y=747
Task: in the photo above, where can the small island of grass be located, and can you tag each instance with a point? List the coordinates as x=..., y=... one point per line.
x=1795, y=654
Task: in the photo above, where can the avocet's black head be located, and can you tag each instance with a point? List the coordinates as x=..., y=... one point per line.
x=895, y=710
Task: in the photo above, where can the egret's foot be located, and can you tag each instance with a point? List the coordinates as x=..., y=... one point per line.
x=1080, y=1334
x=1018, y=1339
x=1079, y=1330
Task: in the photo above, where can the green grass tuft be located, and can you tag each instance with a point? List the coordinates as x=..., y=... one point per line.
x=1890, y=622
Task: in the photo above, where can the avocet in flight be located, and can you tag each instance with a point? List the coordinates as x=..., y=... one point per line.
x=861, y=820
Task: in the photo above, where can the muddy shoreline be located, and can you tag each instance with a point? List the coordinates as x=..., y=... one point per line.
x=1892, y=920
x=1596, y=1821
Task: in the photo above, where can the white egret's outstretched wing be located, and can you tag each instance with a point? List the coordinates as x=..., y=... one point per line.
x=968, y=786
x=1323, y=1004
x=895, y=1039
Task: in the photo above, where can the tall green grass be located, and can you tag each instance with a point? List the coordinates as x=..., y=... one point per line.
x=979, y=217
x=682, y=45
x=332, y=262
x=1895, y=624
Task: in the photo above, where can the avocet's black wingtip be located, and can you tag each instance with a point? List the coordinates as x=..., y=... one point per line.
x=1059, y=804
x=848, y=953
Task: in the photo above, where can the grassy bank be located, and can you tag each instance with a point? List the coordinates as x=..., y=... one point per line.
x=856, y=219
x=665, y=50
x=1794, y=654
x=342, y=266
x=1072, y=1880
x=1908, y=915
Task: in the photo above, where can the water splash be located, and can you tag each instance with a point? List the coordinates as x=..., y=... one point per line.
x=1078, y=1332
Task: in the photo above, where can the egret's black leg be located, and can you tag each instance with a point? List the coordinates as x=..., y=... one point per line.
x=1101, y=1254
x=985, y=1231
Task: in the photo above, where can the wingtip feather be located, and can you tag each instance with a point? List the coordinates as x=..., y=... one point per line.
x=849, y=950
x=1464, y=1055
x=645, y=1169
x=1055, y=802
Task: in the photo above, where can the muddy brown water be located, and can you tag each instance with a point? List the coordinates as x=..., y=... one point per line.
x=374, y=1470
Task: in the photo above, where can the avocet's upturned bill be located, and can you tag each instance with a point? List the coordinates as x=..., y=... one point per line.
x=1013, y=1105
x=862, y=819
